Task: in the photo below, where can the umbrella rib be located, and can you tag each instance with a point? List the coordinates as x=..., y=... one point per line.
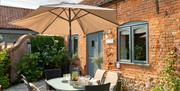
x=52, y=22
x=58, y=15
x=75, y=15
x=81, y=16
x=66, y=14
x=100, y=17
x=80, y=23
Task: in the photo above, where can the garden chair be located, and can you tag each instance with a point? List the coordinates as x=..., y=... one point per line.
x=30, y=86
x=111, y=77
x=52, y=73
x=0, y=88
x=99, y=75
x=101, y=87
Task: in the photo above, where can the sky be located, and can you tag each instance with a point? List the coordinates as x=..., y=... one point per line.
x=33, y=4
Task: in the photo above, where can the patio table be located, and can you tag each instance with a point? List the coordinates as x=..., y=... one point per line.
x=57, y=84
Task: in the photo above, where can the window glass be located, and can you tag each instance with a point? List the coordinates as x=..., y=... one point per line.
x=92, y=43
x=124, y=42
x=74, y=43
x=139, y=42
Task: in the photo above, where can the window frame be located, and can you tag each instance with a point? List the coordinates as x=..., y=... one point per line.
x=130, y=25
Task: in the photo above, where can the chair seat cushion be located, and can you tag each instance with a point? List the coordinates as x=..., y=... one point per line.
x=95, y=81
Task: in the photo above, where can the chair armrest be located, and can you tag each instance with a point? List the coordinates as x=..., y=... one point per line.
x=34, y=87
x=0, y=88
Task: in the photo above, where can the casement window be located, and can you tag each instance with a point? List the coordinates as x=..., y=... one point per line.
x=74, y=47
x=133, y=43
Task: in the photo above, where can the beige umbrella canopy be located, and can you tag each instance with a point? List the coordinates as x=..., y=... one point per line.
x=61, y=18
x=68, y=19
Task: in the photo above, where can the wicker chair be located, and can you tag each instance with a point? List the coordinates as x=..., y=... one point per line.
x=102, y=87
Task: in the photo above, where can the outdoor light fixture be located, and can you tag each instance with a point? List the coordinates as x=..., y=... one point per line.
x=108, y=39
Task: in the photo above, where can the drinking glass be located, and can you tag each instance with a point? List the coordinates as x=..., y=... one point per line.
x=66, y=77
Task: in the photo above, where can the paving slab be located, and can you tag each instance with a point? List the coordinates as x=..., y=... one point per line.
x=22, y=86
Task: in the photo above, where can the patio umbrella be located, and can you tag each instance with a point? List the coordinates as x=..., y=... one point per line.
x=68, y=19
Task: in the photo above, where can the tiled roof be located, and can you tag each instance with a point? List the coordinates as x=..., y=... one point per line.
x=97, y=2
x=8, y=14
x=92, y=2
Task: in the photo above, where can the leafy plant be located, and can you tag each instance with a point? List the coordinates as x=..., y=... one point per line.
x=4, y=66
x=48, y=52
x=98, y=61
x=75, y=59
x=169, y=80
x=29, y=67
x=51, y=50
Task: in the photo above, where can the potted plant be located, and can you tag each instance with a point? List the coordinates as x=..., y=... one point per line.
x=75, y=60
x=98, y=61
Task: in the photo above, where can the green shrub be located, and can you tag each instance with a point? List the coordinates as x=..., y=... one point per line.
x=29, y=66
x=4, y=66
x=51, y=50
x=47, y=52
x=4, y=81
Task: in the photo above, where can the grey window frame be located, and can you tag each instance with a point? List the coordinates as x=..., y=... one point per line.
x=130, y=25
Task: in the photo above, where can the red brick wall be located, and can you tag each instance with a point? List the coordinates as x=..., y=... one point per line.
x=163, y=27
x=81, y=50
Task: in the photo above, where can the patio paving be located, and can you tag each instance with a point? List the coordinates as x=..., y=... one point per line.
x=22, y=87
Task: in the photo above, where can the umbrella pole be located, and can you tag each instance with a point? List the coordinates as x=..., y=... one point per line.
x=70, y=34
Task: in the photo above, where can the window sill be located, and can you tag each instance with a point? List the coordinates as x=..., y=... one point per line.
x=139, y=64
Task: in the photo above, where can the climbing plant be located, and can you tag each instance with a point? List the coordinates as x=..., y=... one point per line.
x=168, y=79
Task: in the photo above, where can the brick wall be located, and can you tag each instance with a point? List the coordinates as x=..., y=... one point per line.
x=16, y=52
x=163, y=26
x=164, y=34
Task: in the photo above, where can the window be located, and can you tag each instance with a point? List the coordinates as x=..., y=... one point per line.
x=92, y=43
x=133, y=43
x=74, y=47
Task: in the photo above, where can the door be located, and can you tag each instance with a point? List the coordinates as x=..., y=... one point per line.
x=94, y=48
